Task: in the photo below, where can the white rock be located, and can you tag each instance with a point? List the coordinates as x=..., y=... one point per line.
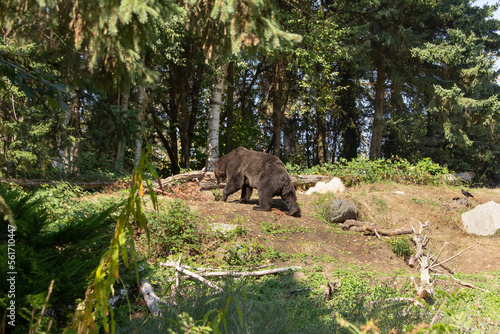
x=223, y=228
x=484, y=219
x=334, y=186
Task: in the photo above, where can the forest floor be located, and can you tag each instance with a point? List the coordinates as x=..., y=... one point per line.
x=314, y=244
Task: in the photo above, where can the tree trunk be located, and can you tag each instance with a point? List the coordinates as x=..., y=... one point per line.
x=123, y=99
x=350, y=119
x=378, y=115
x=321, y=138
x=159, y=131
x=181, y=86
x=75, y=131
x=69, y=147
x=171, y=144
x=62, y=162
x=143, y=101
x=214, y=119
x=289, y=137
x=195, y=98
x=278, y=106
x=229, y=108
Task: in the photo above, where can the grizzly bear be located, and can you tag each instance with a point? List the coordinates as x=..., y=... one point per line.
x=246, y=170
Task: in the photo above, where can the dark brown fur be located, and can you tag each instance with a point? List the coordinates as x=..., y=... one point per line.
x=246, y=170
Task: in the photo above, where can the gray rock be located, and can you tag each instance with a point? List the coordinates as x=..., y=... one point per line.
x=467, y=176
x=484, y=219
x=460, y=178
x=341, y=210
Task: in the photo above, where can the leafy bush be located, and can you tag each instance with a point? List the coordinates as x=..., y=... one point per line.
x=401, y=246
x=362, y=170
x=174, y=229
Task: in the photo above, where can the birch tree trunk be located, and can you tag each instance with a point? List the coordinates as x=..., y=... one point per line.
x=123, y=99
x=214, y=119
x=229, y=108
x=62, y=162
x=143, y=101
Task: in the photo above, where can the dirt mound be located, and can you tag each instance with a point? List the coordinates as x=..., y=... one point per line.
x=311, y=243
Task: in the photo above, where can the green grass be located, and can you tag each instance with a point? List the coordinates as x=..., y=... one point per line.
x=283, y=304
x=275, y=228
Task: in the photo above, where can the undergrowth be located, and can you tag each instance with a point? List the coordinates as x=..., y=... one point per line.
x=60, y=244
x=362, y=170
x=284, y=304
x=173, y=229
x=61, y=235
x=401, y=246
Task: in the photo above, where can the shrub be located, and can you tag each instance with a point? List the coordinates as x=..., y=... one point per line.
x=401, y=246
x=362, y=170
x=174, y=229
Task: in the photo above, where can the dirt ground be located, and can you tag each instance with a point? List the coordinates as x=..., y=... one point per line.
x=386, y=205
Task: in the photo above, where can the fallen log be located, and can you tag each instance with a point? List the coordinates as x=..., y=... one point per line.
x=207, y=181
x=371, y=228
x=150, y=298
x=425, y=289
x=232, y=273
x=258, y=273
x=308, y=180
x=39, y=182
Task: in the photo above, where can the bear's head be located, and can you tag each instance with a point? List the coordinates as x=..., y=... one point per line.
x=220, y=174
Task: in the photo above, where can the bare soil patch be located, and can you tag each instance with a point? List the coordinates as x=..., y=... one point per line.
x=319, y=245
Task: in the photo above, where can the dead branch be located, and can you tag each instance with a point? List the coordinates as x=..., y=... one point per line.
x=177, y=279
x=454, y=256
x=331, y=288
x=434, y=318
x=426, y=287
x=468, y=285
x=308, y=180
x=191, y=274
x=371, y=228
